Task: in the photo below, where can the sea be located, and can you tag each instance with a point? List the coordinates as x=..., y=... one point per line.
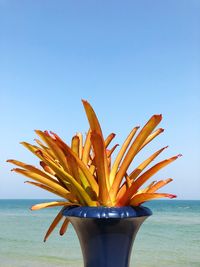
x=168, y=238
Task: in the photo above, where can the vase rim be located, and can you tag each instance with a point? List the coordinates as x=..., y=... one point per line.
x=106, y=212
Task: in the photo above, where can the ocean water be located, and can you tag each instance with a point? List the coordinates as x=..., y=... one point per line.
x=169, y=238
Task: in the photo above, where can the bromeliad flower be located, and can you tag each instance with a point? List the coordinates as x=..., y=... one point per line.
x=83, y=173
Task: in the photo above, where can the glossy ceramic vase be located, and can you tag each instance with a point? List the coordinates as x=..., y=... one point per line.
x=106, y=235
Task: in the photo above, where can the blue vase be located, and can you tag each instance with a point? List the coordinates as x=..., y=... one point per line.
x=106, y=235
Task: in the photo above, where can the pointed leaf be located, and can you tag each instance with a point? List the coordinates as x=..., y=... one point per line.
x=81, y=165
x=59, y=189
x=47, y=188
x=109, y=139
x=145, y=190
x=75, y=145
x=95, y=127
x=142, y=136
x=46, y=168
x=32, y=169
x=158, y=185
x=92, y=118
x=80, y=151
x=138, y=170
x=51, y=204
x=64, y=226
x=145, y=163
x=141, y=198
x=109, y=152
x=128, y=180
x=86, y=149
x=45, y=148
x=67, y=177
x=151, y=137
x=100, y=167
x=53, y=225
x=54, y=147
x=35, y=149
x=143, y=178
x=121, y=154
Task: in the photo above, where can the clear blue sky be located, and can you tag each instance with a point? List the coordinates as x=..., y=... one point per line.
x=130, y=59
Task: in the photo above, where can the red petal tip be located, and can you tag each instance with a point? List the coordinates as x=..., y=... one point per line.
x=172, y=196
